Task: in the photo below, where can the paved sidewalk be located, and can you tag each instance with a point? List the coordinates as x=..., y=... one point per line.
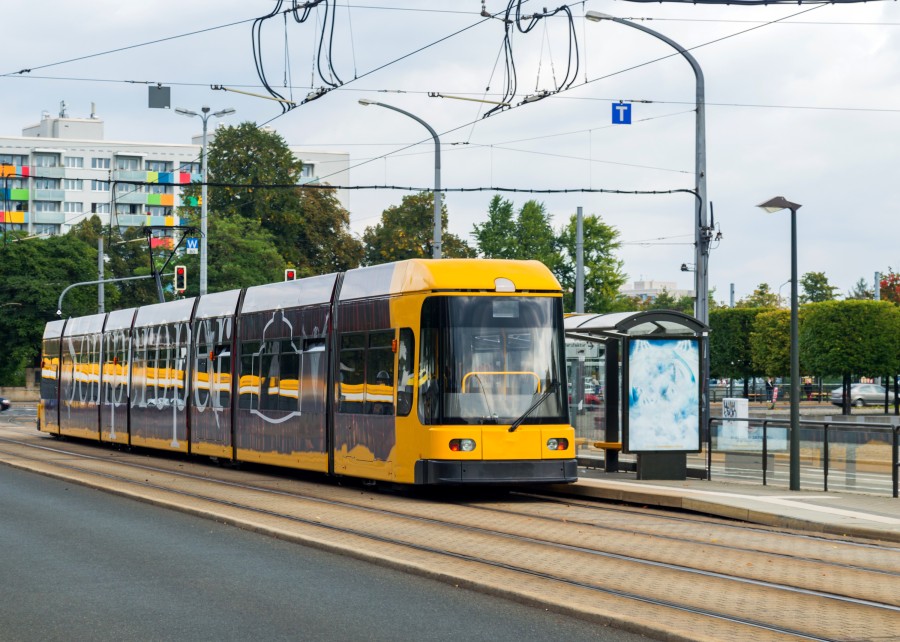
x=835, y=513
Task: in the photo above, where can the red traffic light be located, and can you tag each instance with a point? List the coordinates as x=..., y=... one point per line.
x=180, y=278
x=290, y=274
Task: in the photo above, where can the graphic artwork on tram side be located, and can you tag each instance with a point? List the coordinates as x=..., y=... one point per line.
x=419, y=372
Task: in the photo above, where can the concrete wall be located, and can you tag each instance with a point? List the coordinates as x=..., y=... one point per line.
x=30, y=392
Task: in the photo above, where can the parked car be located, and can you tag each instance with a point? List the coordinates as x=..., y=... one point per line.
x=861, y=394
x=4, y=404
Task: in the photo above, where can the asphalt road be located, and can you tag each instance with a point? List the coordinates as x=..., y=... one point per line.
x=77, y=563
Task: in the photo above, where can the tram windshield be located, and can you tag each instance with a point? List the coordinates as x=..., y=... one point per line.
x=487, y=360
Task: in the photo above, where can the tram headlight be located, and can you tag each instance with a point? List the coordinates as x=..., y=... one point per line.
x=462, y=445
x=557, y=443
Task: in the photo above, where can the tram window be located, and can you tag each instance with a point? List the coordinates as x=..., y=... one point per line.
x=352, y=373
x=248, y=382
x=405, y=372
x=429, y=395
x=289, y=385
x=380, y=374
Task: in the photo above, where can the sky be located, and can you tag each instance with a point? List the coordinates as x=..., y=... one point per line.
x=807, y=108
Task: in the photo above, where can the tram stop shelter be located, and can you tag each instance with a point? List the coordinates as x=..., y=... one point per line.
x=638, y=384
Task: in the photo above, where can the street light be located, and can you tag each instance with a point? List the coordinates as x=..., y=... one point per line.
x=701, y=232
x=203, y=245
x=436, y=250
x=775, y=205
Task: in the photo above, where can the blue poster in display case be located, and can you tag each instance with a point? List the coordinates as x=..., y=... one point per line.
x=662, y=385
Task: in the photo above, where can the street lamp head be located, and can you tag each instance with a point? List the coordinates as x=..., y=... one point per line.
x=779, y=203
x=224, y=112
x=185, y=112
x=366, y=102
x=597, y=16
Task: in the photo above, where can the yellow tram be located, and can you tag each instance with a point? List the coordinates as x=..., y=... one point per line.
x=418, y=372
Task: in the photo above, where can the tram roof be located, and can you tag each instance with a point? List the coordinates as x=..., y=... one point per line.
x=54, y=329
x=84, y=325
x=219, y=304
x=161, y=313
x=119, y=319
x=315, y=290
x=424, y=275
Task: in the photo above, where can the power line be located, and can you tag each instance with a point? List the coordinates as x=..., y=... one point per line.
x=127, y=47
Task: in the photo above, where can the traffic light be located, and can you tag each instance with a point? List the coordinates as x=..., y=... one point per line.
x=180, y=278
x=290, y=274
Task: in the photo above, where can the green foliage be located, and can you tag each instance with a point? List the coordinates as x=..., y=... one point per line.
x=770, y=343
x=851, y=338
x=241, y=254
x=323, y=242
x=245, y=157
x=536, y=238
x=603, y=274
x=889, y=286
x=33, y=273
x=665, y=301
x=816, y=288
x=762, y=297
x=861, y=291
x=730, y=352
x=406, y=231
x=497, y=237
x=307, y=227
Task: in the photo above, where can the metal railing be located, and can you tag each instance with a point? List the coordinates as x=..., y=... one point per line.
x=826, y=429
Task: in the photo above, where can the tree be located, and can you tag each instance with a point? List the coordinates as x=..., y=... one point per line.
x=33, y=273
x=889, y=286
x=665, y=301
x=324, y=244
x=851, y=338
x=816, y=288
x=860, y=291
x=406, y=231
x=497, y=237
x=730, y=352
x=762, y=297
x=241, y=254
x=603, y=274
x=770, y=343
x=308, y=227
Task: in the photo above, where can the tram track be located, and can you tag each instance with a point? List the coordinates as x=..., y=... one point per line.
x=570, y=564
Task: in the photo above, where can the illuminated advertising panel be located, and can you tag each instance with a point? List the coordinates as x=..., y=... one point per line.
x=662, y=384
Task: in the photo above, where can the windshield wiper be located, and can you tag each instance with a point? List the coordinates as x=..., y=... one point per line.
x=553, y=387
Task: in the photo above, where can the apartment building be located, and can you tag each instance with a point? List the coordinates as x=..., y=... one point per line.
x=61, y=171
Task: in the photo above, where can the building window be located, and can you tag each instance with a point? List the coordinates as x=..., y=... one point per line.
x=157, y=210
x=308, y=170
x=46, y=160
x=193, y=168
x=13, y=159
x=74, y=161
x=73, y=184
x=46, y=228
x=154, y=188
x=99, y=208
x=46, y=183
x=74, y=207
x=99, y=186
x=100, y=163
x=128, y=163
x=46, y=206
x=13, y=183
x=123, y=208
x=159, y=166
